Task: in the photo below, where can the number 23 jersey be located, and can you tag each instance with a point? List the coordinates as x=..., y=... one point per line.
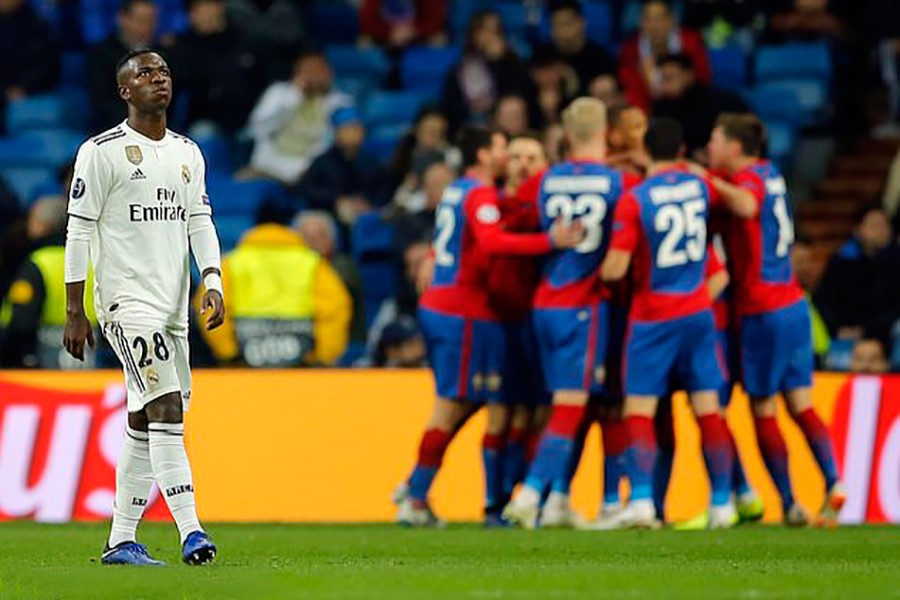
x=663, y=224
x=141, y=193
x=584, y=191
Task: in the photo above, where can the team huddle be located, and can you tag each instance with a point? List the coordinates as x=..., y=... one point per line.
x=590, y=291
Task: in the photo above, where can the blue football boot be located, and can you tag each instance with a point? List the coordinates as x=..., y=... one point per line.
x=198, y=549
x=129, y=553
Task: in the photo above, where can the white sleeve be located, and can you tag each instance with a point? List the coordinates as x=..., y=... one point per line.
x=91, y=182
x=199, y=200
x=201, y=230
x=78, y=240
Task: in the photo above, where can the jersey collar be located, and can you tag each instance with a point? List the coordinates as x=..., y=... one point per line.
x=143, y=138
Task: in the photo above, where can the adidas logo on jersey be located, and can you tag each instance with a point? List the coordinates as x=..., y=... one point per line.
x=138, y=175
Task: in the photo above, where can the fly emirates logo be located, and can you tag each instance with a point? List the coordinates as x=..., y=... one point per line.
x=164, y=210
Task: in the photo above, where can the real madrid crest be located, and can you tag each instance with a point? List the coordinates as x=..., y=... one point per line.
x=185, y=174
x=134, y=155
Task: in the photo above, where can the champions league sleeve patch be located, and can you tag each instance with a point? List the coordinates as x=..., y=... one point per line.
x=488, y=214
x=78, y=188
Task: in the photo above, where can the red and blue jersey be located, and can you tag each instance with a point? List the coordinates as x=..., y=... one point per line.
x=663, y=224
x=759, y=248
x=468, y=233
x=587, y=191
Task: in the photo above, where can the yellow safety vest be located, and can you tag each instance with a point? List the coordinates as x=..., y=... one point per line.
x=51, y=262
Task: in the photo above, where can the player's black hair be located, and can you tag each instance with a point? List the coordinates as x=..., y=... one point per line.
x=191, y=3
x=473, y=139
x=573, y=5
x=125, y=6
x=664, y=139
x=132, y=54
x=666, y=3
x=679, y=59
x=745, y=128
x=615, y=111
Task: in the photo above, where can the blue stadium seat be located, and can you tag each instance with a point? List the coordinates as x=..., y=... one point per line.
x=459, y=15
x=372, y=245
x=599, y=19
x=729, y=67
x=50, y=148
x=776, y=103
x=47, y=111
x=391, y=108
x=231, y=229
x=425, y=68
x=73, y=70
x=839, y=354
x=780, y=140
x=513, y=17
x=794, y=61
x=216, y=153
x=26, y=182
x=357, y=88
x=359, y=63
x=382, y=141
x=334, y=22
x=98, y=18
x=230, y=198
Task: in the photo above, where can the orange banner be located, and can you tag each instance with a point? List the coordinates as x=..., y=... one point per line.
x=331, y=446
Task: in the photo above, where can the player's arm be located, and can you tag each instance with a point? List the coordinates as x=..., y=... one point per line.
x=90, y=185
x=205, y=248
x=716, y=274
x=626, y=224
x=484, y=214
x=740, y=200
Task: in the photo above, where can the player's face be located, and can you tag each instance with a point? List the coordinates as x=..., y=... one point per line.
x=633, y=127
x=719, y=149
x=526, y=159
x=147, y=83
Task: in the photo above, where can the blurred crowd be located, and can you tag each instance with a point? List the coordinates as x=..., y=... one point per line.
x=319, y=100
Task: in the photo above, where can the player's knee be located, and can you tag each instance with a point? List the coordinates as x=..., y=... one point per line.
x=798, y=400
x=705, y=403
x=764, y=407
x=498, y=419
x=640, y=406
x=165, y=409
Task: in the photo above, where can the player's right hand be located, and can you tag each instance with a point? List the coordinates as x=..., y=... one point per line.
x=78, y=330
x=565, y=235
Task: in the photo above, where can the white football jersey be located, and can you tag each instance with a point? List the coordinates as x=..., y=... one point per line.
x=141, y=192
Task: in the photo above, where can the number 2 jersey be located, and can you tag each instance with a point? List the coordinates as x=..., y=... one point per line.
x=662, y=223
x=759, y=248
x=468, y=233
x=141, y=192
x=586, y=191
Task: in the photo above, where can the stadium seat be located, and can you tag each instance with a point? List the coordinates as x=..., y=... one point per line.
x=839, y=355
x=359, y=63
x=381, y=142
x=391, y=108
x=47, y=111
x=729, y=67
x=50, y=148
x=73, y=70
x=793, y=61
x=425, y=68
x=216, y=153
x=777, y=103
x=780, y=140
x=98, y=18
x=334, y=22
x=460, y=14
x=230, y=198
x=372, y=246
x=26, y=182
x=514, y=18
x=599, y=18
x=357, y=88
x=230, y=229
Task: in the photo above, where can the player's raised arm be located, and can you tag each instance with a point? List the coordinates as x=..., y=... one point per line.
x=205, y=248
x=90, y=184
x=741, y=201
x=624, y=240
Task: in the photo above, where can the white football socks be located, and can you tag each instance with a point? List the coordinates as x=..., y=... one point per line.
x=172, y=472
x=134, y=478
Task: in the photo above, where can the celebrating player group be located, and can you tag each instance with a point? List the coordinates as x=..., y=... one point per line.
x=590, y=291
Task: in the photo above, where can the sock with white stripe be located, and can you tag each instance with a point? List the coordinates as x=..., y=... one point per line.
x=134, y=478
x=172, y=472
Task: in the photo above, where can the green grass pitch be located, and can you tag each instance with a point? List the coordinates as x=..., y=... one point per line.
x=381, y=561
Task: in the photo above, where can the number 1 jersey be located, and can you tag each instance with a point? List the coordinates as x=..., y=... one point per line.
x=586, y=191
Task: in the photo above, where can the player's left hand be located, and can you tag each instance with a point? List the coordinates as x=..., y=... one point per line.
x=214, y=305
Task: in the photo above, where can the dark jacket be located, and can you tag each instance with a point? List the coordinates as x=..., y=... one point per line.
x=588, y=63
x=107, y=109
x=334, y=174
x=697, y=110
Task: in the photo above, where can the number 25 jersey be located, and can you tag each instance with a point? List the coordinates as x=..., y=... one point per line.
x=586, y=191
x=662, y=223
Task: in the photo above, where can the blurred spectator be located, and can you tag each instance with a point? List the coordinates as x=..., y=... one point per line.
x=511, y=115
x=291, y=123
x=318, y=231
x=805, y=19
x=34, y=313
x=136, y=26
x=417, y=220
x=286, y=306
x=804, y=265
x=723, y=21
x=555, y=144
x=696, y=105
x=424, y=144
x=860, y=290
x=869, y=357
x=625, y=139
x=30, y=62
x=276, y=27
x=217, y=66
x=489, y=69
x=342, y=180
x=606, y=89
x=556, y=85
x=659, y=35
x=397, y=24
x=571, y=46
x=401, y=346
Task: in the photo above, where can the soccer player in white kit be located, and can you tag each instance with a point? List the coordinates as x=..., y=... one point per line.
x=138, y=208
